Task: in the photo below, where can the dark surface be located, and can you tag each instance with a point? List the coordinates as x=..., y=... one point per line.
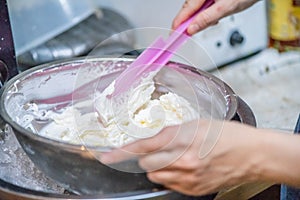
x=8, y=65
x=272, y=193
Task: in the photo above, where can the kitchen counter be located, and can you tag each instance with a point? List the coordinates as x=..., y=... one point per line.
x=269, y=83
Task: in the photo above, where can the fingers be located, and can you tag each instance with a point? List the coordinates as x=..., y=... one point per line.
x=188, y=9
x=180, y=182
x=164, y=177
x=172, y=140
x=211, y=15
x=214, y=13
x=157, y=161
x=141, y=147
x=173, y=180
x=206, y=18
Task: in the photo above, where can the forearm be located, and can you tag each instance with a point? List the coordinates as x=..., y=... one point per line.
x=280, y=158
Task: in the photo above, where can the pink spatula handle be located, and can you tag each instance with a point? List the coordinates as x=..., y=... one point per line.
x=156, y=55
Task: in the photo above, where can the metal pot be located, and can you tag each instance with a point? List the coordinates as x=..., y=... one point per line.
x=56, y=85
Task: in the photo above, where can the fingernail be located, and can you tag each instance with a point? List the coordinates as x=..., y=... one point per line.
x=193, y=29
x=175, y=24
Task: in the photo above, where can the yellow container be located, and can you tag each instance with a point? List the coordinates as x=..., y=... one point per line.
x=284, y=24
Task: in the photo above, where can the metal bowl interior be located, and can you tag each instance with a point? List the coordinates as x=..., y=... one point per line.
x=54, y=86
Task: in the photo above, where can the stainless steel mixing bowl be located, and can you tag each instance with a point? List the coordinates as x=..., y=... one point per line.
x=27, y=98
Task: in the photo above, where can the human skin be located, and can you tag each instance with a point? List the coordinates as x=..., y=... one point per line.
x=206, y=156
x=239, y=154
x=210, y=16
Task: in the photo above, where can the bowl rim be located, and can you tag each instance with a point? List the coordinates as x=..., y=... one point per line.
x=232, y=97
x=10, y=189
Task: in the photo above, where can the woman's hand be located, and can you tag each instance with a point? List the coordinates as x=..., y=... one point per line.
x=211, y=15
x=198, y=157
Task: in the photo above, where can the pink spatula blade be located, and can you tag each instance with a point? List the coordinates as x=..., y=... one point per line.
x=156, y=55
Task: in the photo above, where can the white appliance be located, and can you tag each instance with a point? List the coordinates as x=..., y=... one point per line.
x=232, y=38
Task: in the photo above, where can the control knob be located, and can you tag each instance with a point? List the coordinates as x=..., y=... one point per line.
x=236, y=38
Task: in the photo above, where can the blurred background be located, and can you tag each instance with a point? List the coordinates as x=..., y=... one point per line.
x=50, y=30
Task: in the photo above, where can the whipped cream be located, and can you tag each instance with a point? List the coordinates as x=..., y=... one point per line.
x=118, y=121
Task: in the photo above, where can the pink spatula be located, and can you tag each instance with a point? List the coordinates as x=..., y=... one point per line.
x=156, y=55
